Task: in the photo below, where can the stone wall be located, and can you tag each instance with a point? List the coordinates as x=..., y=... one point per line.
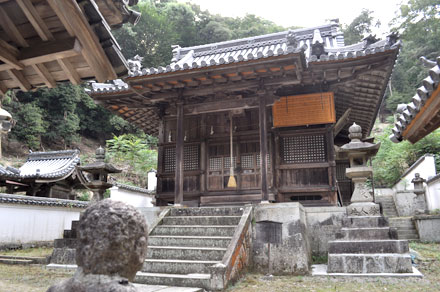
x=290, y=256
x=405, y=203
x=428, y=227
x=323, y=223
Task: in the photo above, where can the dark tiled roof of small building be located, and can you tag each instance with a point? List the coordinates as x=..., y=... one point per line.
x=51, y=165
x=408, y=112
x=39, y=201
x=133, y=188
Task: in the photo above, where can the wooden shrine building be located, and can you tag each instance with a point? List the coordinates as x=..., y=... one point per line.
x=290, y=97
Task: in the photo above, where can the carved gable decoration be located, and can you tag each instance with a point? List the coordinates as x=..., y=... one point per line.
x=306, y=109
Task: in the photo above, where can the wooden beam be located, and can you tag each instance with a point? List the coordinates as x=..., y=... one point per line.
x=8, y=58
x=35, y=19
x=70, y=71
x=13, y=50
x=20, y=79
x=45, y=75
x=343, y=120
x=3, y=89
x=71, y=15
x=222, y=105
x=10, y=28
x=262, y=113
x=178, y=181
x=47, y=52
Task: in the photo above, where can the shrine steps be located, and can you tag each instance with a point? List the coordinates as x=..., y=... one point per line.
x=188, y=243
x=232, y=200
x=366, y=245
x=406, y=228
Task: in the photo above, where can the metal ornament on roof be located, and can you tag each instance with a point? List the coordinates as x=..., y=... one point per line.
x=359, y=152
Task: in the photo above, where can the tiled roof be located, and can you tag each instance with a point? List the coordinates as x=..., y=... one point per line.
x=409, y=111
x=39, y=201
x=49, y=165
x=133, y=188
x=306, y=41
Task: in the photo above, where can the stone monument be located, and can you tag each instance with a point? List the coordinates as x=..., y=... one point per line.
x=420, y=199
x=358, y=152
x=365, y=244
x=112, y=244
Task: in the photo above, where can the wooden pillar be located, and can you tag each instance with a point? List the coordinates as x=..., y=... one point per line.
x=263, y=148
x=178, y=181
x=203, y=162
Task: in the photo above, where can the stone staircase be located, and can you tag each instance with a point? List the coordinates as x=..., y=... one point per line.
x=388, y=206
x=406, y=228
x=187, y=243
x=367, y=245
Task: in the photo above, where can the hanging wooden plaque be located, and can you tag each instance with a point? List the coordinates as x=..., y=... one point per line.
x=305, y=109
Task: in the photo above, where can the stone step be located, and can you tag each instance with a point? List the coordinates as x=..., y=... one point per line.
x=194, y=230
x=202, y=241
x=186, y=253
x=160, y=288
x=15, y=261
x=369, y=263
x=201, y=220
x=177, y=266
x=69, y=233
x=189, y=280
x=365, y=221
x=65, y=242
x=207, y=211
x=365, y=233
x=368, y=246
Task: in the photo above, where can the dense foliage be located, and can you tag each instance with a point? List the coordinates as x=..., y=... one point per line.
x=135, y=154
x=393, y=159
x=59, y=116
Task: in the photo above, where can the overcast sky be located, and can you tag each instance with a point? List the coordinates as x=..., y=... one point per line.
x=304, y=13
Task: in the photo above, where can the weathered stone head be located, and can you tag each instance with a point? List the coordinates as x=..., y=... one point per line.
x=112, y=244
x=112, y=239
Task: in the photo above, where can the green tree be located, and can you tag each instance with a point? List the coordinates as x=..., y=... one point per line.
x=360, y=27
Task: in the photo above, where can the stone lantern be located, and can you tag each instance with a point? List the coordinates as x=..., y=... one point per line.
x=99, y=171
x=359, y=152
x=419, y=190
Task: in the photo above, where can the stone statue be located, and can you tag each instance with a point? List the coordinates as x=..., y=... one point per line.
x=112, y=244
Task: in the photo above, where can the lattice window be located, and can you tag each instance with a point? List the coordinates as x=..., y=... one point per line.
x=340, y=170
x=247, y=161
x=191, y=158
x=169, y=159
x=215, y=163
x=227, y=162
x=268, y=160
x=304, y=149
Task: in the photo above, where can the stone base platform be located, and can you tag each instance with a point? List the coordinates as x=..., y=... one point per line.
x=321, y=270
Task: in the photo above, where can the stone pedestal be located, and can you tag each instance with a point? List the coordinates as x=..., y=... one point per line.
x=365, y=244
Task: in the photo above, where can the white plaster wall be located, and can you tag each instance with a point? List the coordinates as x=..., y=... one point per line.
x=151, y=181
x=426, y=168
x=433, y=194
x=131, y=197
x=27, y=223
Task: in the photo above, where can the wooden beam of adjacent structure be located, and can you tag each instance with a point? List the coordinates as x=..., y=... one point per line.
x=35, y=19
x=343, y=120
x=45, y=75
x=11, y=30
x=70, y=71
x=47, y=52
x=71, y=15
x=8, y=58
x=9, y=47
x=20, y=79
x=222, y=105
